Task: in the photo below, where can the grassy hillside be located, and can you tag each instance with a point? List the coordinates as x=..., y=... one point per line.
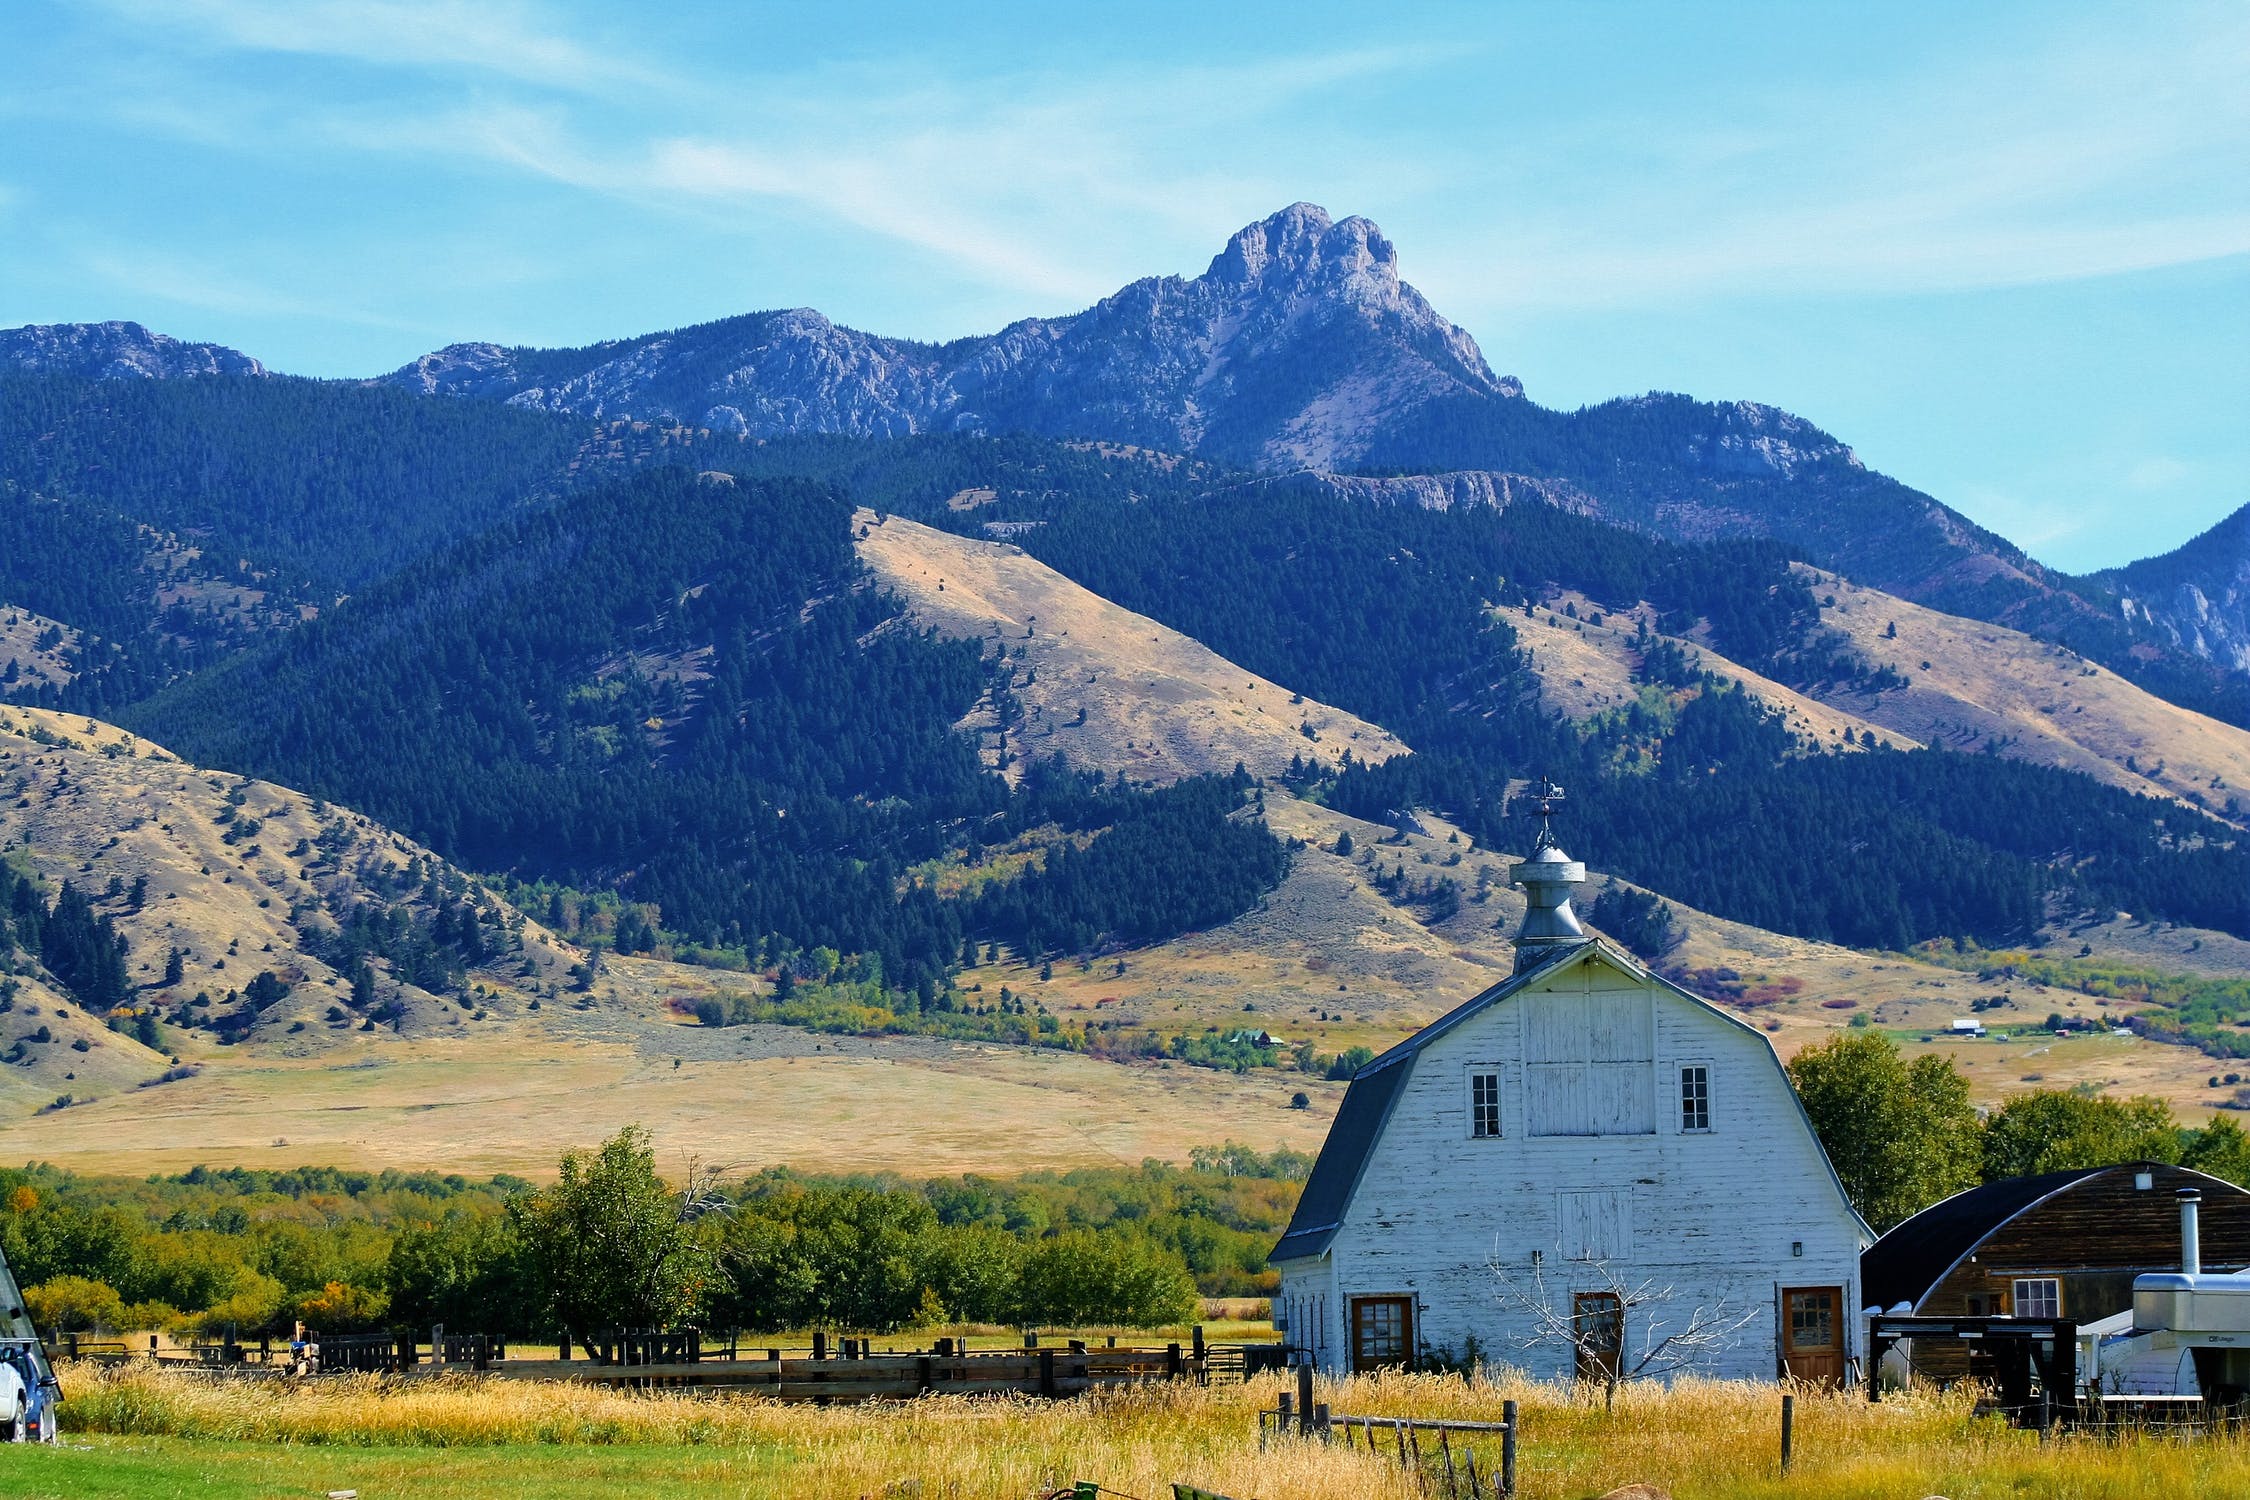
x=1106, y=689
x=1984, y=687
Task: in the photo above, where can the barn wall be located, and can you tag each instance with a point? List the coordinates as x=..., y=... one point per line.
x=1714, y=1214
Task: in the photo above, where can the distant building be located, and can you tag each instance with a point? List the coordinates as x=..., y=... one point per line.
x=1582, y=1126
x=1968, y=1026
x=2060, y=1245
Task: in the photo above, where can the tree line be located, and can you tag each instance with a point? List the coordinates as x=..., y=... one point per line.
x=1903, y=1135
x=612, y=1243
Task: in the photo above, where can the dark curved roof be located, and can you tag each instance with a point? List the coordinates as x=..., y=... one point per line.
x=1905, y=1263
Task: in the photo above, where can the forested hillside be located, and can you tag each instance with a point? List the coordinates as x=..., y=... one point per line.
x=1402, y=616
x=682, y=687
x=320, y=485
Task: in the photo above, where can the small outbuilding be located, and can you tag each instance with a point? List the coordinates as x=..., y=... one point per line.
x=2060, y=1245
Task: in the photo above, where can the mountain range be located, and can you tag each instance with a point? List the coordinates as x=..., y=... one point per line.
x=772, y=652
x=1301, y=350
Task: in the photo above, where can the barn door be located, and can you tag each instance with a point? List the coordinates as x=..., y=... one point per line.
x=1597, y=1324
x=1812, y=1333
x=1382, y=1332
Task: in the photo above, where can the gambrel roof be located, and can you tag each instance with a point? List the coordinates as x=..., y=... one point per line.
x=1375, y=1088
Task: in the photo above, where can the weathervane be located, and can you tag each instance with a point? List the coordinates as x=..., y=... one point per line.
x=1546, y=794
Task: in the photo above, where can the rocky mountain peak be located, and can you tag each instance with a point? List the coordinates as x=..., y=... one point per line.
x=1301, y=245
x=116, y=351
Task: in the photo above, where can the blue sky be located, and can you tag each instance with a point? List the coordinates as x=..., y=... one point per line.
x=2003, y=250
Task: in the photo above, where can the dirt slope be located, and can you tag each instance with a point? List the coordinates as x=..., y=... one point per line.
x=36, y=665
x=1972, y=685
x=1586, y=669
x=1100, y=685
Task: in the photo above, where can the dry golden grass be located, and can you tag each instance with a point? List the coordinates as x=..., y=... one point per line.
x=1716, y=1441
x=1973, y=684
x=509, y=1102
x=1110, y=689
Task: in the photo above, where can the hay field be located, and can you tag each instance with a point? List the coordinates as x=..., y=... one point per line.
x=149, y=1434
x=510, y=1103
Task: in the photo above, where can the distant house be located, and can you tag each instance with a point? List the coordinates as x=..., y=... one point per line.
x=1968, y=1026
x=1582, y=1127
x=1256, y=1038
x=2061, y=1245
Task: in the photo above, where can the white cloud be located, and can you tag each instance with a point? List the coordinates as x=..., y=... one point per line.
x=2157, y=472
x=500, y=37
x=2091, y=155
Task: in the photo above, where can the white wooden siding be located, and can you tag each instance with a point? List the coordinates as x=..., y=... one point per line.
x=1589, y=1058
x=1713, y=1214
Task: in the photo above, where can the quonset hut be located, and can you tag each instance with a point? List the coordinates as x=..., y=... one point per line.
x=1512, y=1175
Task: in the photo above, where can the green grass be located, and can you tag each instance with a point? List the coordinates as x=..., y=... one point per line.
x=115, y=1468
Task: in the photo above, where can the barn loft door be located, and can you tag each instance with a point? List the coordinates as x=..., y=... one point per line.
x=1812, y=1333
x=1382, y=1332
x=1589, y=1059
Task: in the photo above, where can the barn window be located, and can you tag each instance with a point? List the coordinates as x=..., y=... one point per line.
x=1484, y=1105
x=2038, y=1297
x=1695, y=1097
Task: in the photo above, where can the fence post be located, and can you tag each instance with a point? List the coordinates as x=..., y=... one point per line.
x=1508, y=1450
x=1172, y=1361
x=1304, y=1400
x=820, y=1343
x=1788, y=1431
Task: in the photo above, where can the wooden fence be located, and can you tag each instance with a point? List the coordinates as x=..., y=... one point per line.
x=847, y=1370
x=1443, y=1454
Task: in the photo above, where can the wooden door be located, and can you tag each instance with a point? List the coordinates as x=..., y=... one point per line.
x=1812, y=1333
x=1597, y=1322
x=1382, y=1332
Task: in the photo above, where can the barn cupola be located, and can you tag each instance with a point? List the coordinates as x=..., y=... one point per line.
x=1547, y=878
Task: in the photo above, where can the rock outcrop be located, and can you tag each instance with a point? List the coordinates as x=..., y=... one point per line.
x=116, y=351
x=1291, y=350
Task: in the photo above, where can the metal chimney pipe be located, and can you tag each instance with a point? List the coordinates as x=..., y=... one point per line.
x=2191, y=1234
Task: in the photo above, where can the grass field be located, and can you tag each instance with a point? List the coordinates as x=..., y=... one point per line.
x=144, y=1435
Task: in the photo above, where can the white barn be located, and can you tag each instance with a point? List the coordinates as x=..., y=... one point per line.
x=1581, y=1131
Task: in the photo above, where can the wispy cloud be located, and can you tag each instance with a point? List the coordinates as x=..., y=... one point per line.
x=499, y=37
x=2091, y=155
x=186, y=282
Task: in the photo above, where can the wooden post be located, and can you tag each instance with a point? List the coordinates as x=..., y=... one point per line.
x=565, y=1350
x=1047, y=1373
x=1788, y=1430
x=1471, y=1465
x=1320, y=1420
x=1508, y=1450
x=1198, y=1342
x=1445, y=1450
x=820, y=1343
x=1172, y=1361
x=1304, y=1399
x=922, y=1373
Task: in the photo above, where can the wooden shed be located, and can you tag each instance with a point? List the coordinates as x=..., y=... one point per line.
x=2062, y=1245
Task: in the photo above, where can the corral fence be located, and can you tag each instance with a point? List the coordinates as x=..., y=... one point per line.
x=846, y=1368
x=1450, y=1458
